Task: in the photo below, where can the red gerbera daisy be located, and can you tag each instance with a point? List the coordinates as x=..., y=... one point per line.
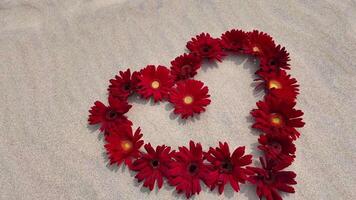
x=279, y=84
x=185, y=66
x=124, y=84
x=111, y=116
x=234, y=40
x=122, y=145
x=269, y=181
x=188, y=169
x=277, y=147
x=275, y=59
x=205, y=46
x=155, y=82
x=275, y=116
x=226, y=167
x=153, y=166
x=259, y=43
x=189, y=97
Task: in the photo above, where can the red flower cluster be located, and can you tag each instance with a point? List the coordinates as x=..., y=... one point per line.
x=275, y=116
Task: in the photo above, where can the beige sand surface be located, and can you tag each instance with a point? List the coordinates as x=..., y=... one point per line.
x=56, y=58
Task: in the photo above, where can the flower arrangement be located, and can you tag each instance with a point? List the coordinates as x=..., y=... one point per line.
x=186, y=168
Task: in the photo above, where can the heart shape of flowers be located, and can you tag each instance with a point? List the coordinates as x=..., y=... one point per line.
x=185, y=168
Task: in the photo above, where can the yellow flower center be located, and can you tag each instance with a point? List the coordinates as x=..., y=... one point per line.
x=188, y=100
x=255, y=49
x=276, y=119
x=126, y=145
x=155, y=84
x=274, y=84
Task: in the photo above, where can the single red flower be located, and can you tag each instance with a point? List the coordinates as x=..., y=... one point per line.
x=258, y=43
x=155, y=82
x=189, y=97
x=124, y=84
x=275, y=59
x=122, y=145
x=188, y=169
x=276, y=116
x=269, y=180
x=205, y=46
x=227, y=167
x=153, y=165
x=111, y=116
x=234, y=40
x=185, y=66
x=277, y=147
x=279, y=84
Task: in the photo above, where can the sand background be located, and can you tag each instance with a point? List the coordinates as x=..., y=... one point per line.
x=56, y=58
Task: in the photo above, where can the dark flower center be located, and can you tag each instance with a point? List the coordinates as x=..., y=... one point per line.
x=226, y=166
x=154, y=163
x=269, y=179
x=206, y=48
x=186, y=69
x=127, y=86
x=192, y=168
x=111, y=115
x=272, y=62
x=276, y=146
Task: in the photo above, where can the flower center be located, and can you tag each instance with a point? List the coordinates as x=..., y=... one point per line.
x=188, y=100
x=276, y=119
x=186, y=69
x=269, y=179
x=126, y=145
x=154, y=163
x=226, y=166
x=256, y=49
x=192, y=168
x=111, y=115
x=276, y=146
x=127, y=86
x=272, y=62
x=155, y=84
x=206, y=48
x=274, y=84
